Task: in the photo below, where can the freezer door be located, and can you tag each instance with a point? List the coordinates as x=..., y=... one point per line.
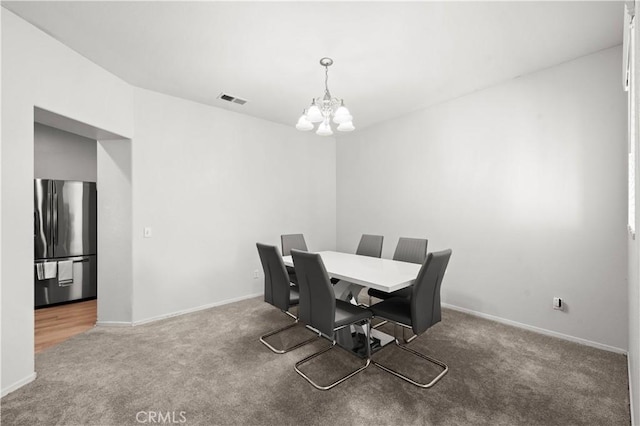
x=81, y=284
x=74, y=218
x=42, y=215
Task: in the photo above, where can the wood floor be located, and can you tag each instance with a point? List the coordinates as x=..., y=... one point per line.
x=57, y=324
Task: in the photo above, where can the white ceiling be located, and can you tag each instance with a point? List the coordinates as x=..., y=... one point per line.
x=390, y=58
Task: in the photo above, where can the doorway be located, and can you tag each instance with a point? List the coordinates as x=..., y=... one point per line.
x=65, y=235
x=109, y=166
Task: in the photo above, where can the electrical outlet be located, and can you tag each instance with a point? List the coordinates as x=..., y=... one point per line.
x=557, y=303
x=256, y=274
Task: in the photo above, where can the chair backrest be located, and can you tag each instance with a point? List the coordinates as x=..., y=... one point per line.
x=317, y=307
x=412, y=250
x=370, y=245
x=292, y=241
x=425, y=300
x=276, y=278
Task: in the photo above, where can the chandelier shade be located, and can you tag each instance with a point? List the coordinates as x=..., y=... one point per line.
x=342, y=115
x=346, y=127
x=313, y=113
x=325, y=109
x=324, y=129
x=304, y=124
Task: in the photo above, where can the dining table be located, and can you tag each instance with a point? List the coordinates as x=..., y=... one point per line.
x=355, y=273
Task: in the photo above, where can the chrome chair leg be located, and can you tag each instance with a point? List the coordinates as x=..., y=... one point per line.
x=381, y=323
x=364, y=305
x=291, y=315
x=404, y=338
x=280, y=330
x=418, y=354
x=343, y=378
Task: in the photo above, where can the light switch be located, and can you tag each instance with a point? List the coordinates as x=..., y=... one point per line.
x=557, y=303
x=147, y=232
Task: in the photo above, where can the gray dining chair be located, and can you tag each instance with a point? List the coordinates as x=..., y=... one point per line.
x=418, y=313
x=370, y=245
x=292, y=241
x=278, y=291
x=413, y=250
x=320, y=310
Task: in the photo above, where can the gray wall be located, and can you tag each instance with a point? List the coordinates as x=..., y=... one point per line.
x=211, y=183
x=61, y=155
x=634, y=265
x=115, y=262
x=525, y=181
x=39, y=71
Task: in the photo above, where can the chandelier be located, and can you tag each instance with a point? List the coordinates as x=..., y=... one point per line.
x=323, y=110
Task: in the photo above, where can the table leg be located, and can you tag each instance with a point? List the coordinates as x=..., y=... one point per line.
x=354, y=338
x=344, y=290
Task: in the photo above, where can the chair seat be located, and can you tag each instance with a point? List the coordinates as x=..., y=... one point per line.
x=397, y=309
x=403, y=292
x=346, y=313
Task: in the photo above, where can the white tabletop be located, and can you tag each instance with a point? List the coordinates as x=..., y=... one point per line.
x=382, y=274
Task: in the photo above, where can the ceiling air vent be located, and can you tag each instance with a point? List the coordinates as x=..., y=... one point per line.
x=233, y=99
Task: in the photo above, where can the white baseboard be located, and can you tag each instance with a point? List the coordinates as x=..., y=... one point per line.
x=538, y=329
x=114, y=324
x=30, y=378
x=197, y=308
x=630, y=390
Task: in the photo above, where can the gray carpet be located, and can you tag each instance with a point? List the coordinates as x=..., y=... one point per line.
x=210, y=366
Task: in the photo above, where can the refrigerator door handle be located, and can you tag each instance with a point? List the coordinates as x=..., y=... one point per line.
x=54, y=228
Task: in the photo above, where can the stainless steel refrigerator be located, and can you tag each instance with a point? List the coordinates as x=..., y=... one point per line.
x=65, y=240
